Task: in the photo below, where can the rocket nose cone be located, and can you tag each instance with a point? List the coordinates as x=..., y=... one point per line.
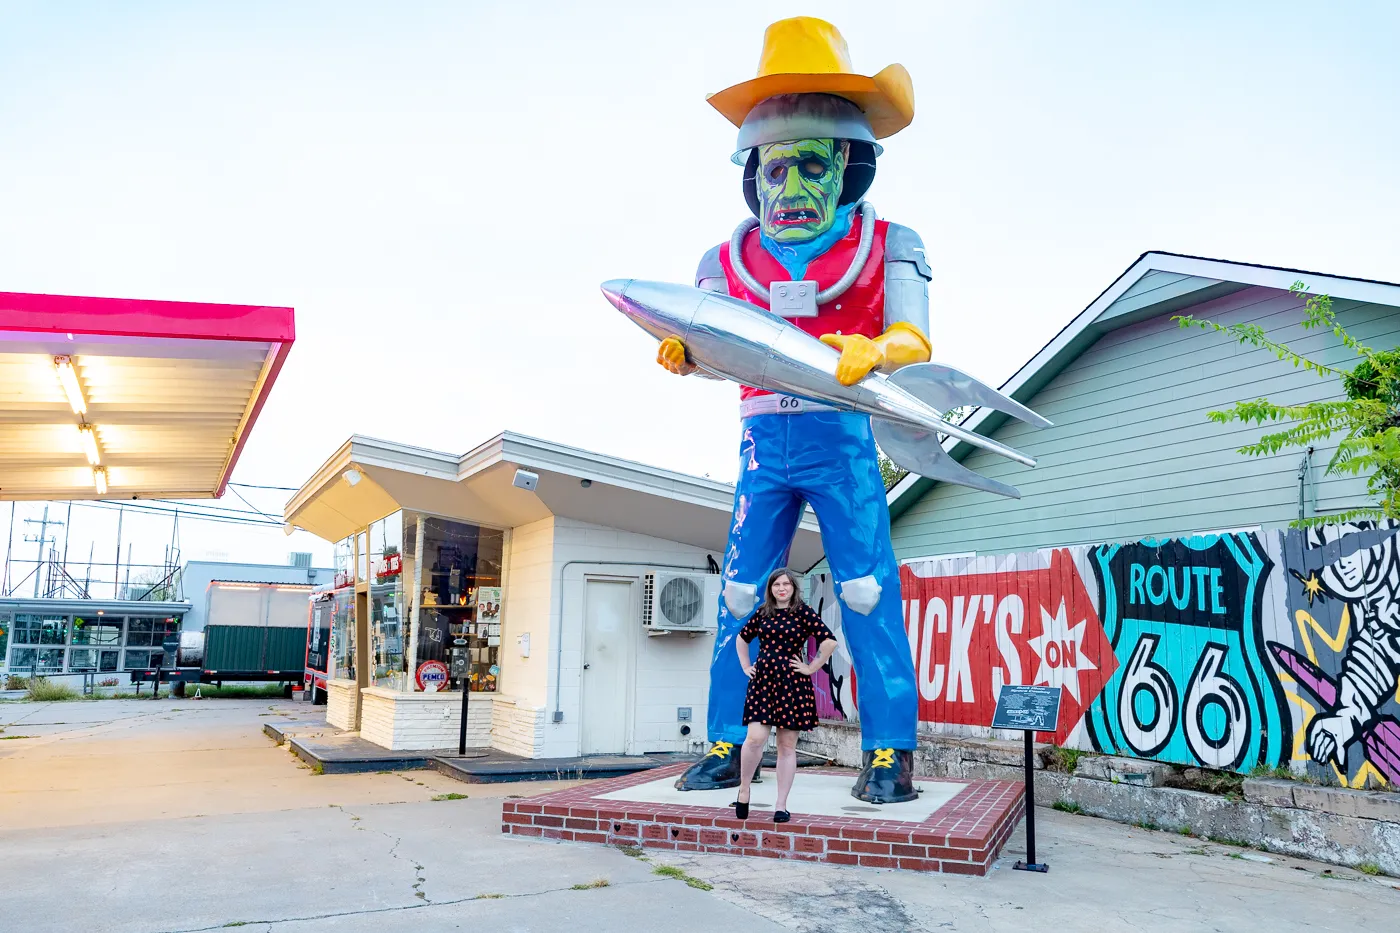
x=613, y=290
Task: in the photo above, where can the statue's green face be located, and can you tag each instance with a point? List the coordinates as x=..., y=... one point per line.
x=799, y=186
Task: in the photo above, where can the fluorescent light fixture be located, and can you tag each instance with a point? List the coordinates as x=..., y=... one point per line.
x=68, y=376
x=99, y=479
x=89, y=439
x=352, y=476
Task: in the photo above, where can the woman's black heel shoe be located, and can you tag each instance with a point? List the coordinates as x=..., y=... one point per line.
x=741, y=809
x=781, y=816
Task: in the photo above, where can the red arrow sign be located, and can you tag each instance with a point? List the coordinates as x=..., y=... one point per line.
x=971, y=634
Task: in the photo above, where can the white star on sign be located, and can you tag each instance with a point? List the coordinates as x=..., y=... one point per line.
x=1060, y=667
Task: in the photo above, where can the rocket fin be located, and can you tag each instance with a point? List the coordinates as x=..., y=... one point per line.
x=919, y=452
x=945, y=388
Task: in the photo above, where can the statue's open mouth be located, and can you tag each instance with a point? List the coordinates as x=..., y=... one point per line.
x=801, y=215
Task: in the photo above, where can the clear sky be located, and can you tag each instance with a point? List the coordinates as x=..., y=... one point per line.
x=438, y=189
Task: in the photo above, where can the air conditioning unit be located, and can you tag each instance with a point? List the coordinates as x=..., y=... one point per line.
x=680, y=602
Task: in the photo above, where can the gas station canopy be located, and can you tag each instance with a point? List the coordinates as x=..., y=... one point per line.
x=112, y=398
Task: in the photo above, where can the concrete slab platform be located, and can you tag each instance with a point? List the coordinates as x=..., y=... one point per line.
x=816, y=794
x=958, y=829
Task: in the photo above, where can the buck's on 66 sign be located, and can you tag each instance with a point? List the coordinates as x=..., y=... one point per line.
x=972, y=634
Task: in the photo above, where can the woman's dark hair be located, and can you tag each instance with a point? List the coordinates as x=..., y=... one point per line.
x=770, y=605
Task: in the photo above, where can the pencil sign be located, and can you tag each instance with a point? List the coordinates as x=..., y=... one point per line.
x=1034, y=709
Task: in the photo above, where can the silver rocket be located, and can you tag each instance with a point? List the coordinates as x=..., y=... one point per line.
x=744, y=343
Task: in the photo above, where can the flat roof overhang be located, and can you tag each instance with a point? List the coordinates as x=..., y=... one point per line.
x=478, y=487
x=169, y=391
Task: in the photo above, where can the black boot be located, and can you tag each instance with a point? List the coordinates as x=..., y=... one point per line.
x=719, y=768
x=886, y=776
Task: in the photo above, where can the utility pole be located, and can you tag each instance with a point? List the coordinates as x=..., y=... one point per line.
x=117, y=564
x=9, y=545
x=43, y=539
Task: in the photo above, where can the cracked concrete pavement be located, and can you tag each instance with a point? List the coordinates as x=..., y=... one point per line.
x=169, y=816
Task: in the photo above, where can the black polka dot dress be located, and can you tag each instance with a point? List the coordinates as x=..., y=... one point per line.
x=778, y=695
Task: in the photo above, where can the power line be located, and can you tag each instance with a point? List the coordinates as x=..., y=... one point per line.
x=253, y=507
x=277, y=488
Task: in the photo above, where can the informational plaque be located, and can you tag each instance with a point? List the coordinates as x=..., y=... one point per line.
x=1033, y=709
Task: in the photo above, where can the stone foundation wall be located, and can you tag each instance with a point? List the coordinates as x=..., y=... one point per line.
x=340, y=704
x=1329, y=824
x=517, y=727
x=421, y=721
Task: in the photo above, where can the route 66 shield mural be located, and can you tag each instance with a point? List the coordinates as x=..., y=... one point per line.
x=1183, y=616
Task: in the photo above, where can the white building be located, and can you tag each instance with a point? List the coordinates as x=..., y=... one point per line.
x=528, y=571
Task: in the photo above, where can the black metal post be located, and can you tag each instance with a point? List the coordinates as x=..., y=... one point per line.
x=462, y=732
x=1030, y=864
x=155, y=693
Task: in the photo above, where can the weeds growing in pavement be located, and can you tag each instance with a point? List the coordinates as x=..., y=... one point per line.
x=670, y=871
x=596, y=883
x=1067, y=806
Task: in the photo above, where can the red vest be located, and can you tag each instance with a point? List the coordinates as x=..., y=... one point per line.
x=861, y=310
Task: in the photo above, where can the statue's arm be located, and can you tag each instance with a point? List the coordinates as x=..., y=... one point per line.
x=709, y=275
x=906, y=279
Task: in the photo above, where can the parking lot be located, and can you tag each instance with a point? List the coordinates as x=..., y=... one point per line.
x=157, y=816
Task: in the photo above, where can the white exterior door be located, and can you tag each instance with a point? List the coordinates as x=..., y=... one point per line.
x=607, y=637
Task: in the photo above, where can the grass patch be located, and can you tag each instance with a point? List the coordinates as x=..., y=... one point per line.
x=318, y=768
x=1147, y=824
x=1199, y=850
x=488, y=897
x=670, y=871
x=634, y=851
x=235, y=692
x=1057, y=758
x=1222, y=840
x=595, y=883
x=43, y=690
x=1369, y=868
x=450, y=797
x=1066, y=806
x=4, y=738
x=1186, y=831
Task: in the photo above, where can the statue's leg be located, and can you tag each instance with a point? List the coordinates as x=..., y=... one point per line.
x=840, y=477
x=766, y=513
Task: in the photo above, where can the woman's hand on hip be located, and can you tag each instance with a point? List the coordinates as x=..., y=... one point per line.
x=748, y=671
x=802, y=668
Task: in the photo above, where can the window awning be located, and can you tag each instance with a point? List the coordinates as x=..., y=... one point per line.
x=112, y=398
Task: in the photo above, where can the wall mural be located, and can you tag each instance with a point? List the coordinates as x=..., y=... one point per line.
x=1228, y=651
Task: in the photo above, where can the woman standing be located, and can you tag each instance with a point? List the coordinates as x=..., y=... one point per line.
x=780, y=692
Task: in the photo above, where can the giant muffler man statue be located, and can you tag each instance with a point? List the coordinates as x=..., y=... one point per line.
x=820, y=311
x=808, y=127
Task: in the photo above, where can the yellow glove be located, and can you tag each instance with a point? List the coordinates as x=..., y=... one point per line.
x=671, y=354
x=898, y=346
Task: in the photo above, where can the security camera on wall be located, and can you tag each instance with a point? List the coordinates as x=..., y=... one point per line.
x=526, y=480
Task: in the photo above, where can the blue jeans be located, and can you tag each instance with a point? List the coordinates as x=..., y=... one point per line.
x=827, y=459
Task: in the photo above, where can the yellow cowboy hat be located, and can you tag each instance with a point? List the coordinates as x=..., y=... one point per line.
x=806, y=55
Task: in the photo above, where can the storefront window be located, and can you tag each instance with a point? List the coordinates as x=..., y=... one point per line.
x=458, y=576
x=40, y=630
x=147, y=632
x=97, y=631
x=386, y=601
x=343, y=634
x=345, y=563
x=36, y=660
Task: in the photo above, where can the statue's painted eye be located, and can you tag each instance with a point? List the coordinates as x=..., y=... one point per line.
x=776, y=173
x=814, y=168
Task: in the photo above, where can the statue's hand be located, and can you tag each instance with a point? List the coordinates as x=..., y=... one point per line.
x=859, y=355
x=671, y=354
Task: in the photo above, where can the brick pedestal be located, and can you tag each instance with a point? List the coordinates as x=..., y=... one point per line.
x=964, y=836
